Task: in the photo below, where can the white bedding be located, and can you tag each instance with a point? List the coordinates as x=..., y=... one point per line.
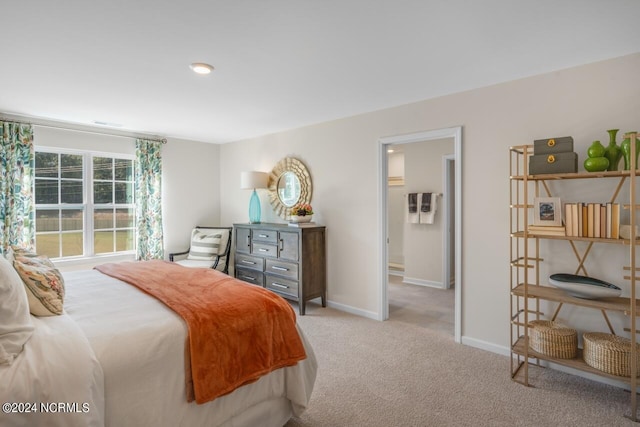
x=139, y=344
x=56, y=367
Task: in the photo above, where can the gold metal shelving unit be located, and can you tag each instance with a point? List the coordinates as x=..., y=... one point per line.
x=528, y=290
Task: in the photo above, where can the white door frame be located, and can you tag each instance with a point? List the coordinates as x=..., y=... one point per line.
x=383, y=225
x=448, y=161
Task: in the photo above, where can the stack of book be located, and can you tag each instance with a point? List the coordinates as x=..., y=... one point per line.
x=302, y=224
x=547, y=230
x=599, y=220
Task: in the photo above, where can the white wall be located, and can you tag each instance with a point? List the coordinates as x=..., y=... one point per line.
x=78, y=140
x=191, y=190
x=190, y=179
x=423, y=242
x=342, y=157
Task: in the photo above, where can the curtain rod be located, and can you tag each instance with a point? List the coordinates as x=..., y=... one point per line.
x=96, y=132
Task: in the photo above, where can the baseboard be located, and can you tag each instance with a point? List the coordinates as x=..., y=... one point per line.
x=484, y=345
x=422, y=282
x=398, y=273
x=353, y=310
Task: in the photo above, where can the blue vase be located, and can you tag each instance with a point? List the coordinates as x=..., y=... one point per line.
x=254, y=208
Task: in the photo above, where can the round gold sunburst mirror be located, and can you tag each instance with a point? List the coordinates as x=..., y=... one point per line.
x=289, y=184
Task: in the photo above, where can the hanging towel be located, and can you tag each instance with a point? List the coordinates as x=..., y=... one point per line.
x=425, y=203
x=413, y=217
x=428, y=216
x=413, y=202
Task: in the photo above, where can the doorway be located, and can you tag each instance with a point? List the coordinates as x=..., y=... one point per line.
x=452, y=239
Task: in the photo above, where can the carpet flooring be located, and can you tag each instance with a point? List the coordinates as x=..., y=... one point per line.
x=423, y=306
x=395, y=373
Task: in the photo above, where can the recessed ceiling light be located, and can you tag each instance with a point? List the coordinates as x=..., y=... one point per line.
x=201, y=68
x=390, y=150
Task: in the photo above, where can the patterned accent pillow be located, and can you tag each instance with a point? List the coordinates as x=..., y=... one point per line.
x=14, y=250
x=205, y=244
x=44, y=284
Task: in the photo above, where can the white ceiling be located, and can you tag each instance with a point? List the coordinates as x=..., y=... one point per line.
x=282, y=64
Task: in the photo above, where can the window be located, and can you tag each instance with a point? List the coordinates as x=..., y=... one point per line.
x=84, y=203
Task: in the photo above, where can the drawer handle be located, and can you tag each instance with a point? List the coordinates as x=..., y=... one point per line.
x=275, y=267
x=551, y=142
x=244, y=261
x=551, y=158
x=263, y=235
x=253, y=279
x=280, y=286
x=248, y=241
x=281, y=244
x=263, y=250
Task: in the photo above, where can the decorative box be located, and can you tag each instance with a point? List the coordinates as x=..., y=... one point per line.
x=562, y=144
x=553, y=163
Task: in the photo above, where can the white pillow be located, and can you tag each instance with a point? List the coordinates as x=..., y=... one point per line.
x=16, y=326
x=207, y=244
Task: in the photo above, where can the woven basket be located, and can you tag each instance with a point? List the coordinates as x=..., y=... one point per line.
x=553, y=339
x=609, y=353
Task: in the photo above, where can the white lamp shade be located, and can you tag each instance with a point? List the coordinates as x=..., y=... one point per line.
x=253, y=179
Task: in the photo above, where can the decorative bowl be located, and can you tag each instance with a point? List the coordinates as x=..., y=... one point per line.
x=301, y=218
x=583, y=286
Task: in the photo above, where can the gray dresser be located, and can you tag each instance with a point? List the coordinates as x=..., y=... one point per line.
x=290, y=261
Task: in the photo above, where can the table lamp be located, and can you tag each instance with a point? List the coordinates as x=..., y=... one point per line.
x=253, y=180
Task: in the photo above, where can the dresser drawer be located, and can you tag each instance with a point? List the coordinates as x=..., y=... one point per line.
x=285, y=269
x=270, y=236
x=247, y=261
x=264, y=249
x=250, y=276
x=282, y=286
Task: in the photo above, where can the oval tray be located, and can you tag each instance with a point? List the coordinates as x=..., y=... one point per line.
x=583, y=286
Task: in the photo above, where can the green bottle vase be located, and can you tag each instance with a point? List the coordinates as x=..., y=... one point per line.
x=613, y=151
x=625, y=147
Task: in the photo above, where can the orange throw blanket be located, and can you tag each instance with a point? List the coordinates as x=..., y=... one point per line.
x=237, y=331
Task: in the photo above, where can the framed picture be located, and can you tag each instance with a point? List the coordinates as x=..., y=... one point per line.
x=547, y=211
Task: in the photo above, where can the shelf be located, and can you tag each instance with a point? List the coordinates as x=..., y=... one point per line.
x=576, y=175
x=625, y=242
x=528, y=286
x=577, y=363
x=558, y=295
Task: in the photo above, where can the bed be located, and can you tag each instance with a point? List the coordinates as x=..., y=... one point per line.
x=116, y=357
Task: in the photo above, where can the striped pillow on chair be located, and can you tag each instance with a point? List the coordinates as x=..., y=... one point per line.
x=205, y=244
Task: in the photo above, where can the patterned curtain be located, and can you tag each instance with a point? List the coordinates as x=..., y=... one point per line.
x=148, y=191
x=17, y=210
